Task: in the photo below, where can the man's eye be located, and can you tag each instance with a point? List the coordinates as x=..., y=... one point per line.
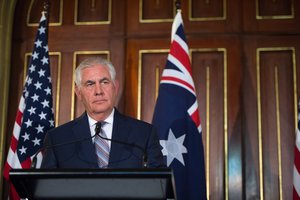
x=89, y=84
x=105, y=82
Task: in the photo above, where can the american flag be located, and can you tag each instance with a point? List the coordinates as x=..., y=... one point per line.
x=35, y=114
x=296, y=188
x=177, y=118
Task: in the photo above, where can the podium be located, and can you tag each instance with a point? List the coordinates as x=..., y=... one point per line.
x=122, y=184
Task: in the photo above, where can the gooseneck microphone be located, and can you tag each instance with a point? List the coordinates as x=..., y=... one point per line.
x=145, y=158
x=34, y=159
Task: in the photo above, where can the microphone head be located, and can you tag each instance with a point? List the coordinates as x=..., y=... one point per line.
x=98, y=128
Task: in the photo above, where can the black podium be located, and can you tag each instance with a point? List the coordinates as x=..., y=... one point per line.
x=44, y=184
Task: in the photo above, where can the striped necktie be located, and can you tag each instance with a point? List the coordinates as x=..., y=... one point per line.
x=101, y=146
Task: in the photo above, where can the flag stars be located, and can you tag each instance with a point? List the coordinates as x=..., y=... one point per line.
x=45, y=60
x=49, y=79
x=42, y=72
x=42, y=30
x=39, y=129
x=35, y=97
x=28, y=123
x=42, y=115
x=32, y=69
x=29, y=81
x=51, y=123
x=38, y=43
x=173, y=148
x=48, y=91
x=23, y=150
x=25, y=136
x=38, y=85
x=45, y=103
x=31, y=110
x=35, y=55
x=46, y=48
x=36, y=142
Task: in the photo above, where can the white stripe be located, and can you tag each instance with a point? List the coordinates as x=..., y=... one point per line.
x=178, y=84
x=12, y=159
x=296, y=181
x=178, y=75
x=17, y=130
x=298, y=139
x=181, y=67
x=200, y=128
x=176, y=23
x=22, y=104
x=39, y=157
x=193, y=108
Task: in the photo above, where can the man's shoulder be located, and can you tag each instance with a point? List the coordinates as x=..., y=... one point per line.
x=68, y=125
x=134, y=121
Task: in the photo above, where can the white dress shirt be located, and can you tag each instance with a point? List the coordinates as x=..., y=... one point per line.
x=106, y=127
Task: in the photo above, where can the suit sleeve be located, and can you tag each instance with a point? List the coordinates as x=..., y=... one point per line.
x=155, y=157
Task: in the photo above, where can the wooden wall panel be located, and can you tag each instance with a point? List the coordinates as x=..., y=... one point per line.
x=269, y=116
x=92, y=12
x=271, y=16
x=228, y=40
x=277, y=108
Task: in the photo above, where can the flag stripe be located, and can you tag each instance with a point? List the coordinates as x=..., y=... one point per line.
x=296, y=171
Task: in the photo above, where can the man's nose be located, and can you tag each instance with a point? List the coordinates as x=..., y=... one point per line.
x=98, y=89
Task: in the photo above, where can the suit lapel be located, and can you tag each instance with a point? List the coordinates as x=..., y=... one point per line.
x=86, y=149
x=120, y=132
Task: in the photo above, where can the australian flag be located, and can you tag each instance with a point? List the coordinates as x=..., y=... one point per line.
x=177, y=118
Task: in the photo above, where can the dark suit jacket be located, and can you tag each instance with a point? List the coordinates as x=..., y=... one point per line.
x=65, y=146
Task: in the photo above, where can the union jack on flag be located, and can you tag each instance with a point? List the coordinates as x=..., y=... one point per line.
x=177, y=118
x=35, y=114
x=296, y=182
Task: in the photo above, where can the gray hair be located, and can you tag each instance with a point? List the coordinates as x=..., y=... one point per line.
x=90, y=62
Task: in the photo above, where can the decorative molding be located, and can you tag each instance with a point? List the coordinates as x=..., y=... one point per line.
x=76, y=22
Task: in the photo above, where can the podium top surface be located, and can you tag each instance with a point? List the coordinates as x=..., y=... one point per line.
x=94, y=183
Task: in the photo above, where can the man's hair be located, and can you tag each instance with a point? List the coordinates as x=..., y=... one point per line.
x=90, y=62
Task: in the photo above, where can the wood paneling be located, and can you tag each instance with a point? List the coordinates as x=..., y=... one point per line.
x=244, y=56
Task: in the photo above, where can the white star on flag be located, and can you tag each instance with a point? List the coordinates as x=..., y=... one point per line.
x=173, y=148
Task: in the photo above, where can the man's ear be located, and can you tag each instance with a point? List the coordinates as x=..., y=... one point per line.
x=78, y=92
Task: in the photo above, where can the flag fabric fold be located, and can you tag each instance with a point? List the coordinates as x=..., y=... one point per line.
x=35, y=113
x=177, y=119
x=296, y=175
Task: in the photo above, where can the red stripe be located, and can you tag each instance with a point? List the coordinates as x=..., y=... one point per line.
x=195, y=117
x=26, y=163
x=19, y=117
x=297, y=159
x=178, y=52
x=14, y=144
x=295, y=194
x=7, y=168
x=13, y=195
x=169, y=78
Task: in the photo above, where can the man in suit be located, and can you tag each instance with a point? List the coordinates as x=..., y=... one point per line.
x=77, y=144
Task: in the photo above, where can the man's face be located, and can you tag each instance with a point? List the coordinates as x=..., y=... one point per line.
x=97, y=91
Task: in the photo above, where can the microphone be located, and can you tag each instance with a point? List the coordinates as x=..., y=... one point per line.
x=145, y=158
x=34, y=159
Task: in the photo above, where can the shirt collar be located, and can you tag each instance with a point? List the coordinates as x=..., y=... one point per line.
x=108, y=120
